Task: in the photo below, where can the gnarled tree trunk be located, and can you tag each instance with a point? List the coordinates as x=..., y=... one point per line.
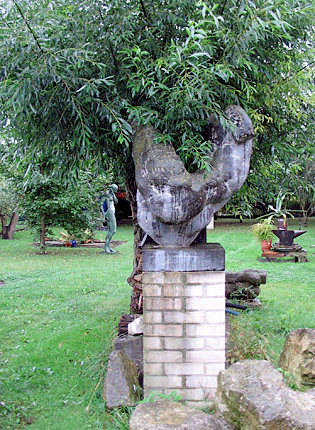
x=8, y=231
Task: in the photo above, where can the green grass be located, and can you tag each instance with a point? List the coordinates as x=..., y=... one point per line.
x=59, y=314
x=288, y=298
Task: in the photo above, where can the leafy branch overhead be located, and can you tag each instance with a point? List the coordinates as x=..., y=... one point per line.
x=76, y=74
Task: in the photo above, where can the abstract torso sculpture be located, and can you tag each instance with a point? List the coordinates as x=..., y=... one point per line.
x=175, y=205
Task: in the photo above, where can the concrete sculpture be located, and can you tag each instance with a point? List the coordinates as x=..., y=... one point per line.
x=175, y=205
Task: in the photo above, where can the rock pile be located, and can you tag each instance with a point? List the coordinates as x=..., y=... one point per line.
x=244, y=285
x=251, y=395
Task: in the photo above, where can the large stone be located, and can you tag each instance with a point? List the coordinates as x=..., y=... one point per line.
x=244, y=285
x=121, y=386
x=252, y=395
x=252, y=276
x=132, y=346
x=175, y=205
x=167, y=415
x=298, y=356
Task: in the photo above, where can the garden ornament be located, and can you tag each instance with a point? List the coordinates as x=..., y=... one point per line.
x=175, y=205
x=109, y=216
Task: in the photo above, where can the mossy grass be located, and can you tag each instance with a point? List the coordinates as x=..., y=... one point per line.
x=59, y=314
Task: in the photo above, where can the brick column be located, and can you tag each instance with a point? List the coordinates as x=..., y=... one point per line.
x=184, y=320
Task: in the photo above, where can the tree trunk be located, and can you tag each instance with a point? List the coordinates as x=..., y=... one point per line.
x=135, y=279
x=42, y=218
x=42, y=232
x=131, y=196
x=9, y=230
x=2, y=225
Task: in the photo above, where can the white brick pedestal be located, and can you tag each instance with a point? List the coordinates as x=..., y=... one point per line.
x=184, y=321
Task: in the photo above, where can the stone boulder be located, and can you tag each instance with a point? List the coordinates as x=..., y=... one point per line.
x=136, y=327
x=167, y=415
x=298, y=356
x=121, y=386
x=244, y=285
x=252, y=395
x=132, y=346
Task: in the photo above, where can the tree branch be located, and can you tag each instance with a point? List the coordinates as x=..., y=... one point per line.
x=30, y=28
x=109, y=41
x=143, y=9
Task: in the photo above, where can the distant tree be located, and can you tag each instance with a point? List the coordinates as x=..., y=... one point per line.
x=46, y=202
x=302, y=174
x=8, y=208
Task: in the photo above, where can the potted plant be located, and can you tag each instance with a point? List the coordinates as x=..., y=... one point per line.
x=68, y=239
x=263, y=232
x=279, y=213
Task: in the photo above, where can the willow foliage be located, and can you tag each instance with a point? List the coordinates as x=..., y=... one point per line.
x=76, y=74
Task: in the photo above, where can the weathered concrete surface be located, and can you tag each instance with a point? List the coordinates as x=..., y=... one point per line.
x=167, y=415
x=121, y=386
x=298, y=356
x=175, y=205
x=252, y=395
x=195, y=258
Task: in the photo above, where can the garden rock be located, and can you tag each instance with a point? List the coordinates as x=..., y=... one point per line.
x=121, y=386
x=168, y=415
x=252, y=395
x=123, y=324
x=132, y=346
x=136, y=327
x=244, y=285
x=298, y=356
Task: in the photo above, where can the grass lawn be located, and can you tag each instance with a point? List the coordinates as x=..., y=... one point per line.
x=59, y=314
x=288, y=298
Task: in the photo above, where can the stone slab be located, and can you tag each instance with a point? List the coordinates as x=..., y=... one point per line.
x=168, y=415
x=132, y=346
x=121, y=385
x=196, y=258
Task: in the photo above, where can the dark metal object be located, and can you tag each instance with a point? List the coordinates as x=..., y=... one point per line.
x=286, y=236
x=236, y=306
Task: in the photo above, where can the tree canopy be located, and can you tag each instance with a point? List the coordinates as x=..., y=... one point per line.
x=76, y=75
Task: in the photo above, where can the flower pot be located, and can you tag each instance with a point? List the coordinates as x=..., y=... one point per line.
x=265, y=245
